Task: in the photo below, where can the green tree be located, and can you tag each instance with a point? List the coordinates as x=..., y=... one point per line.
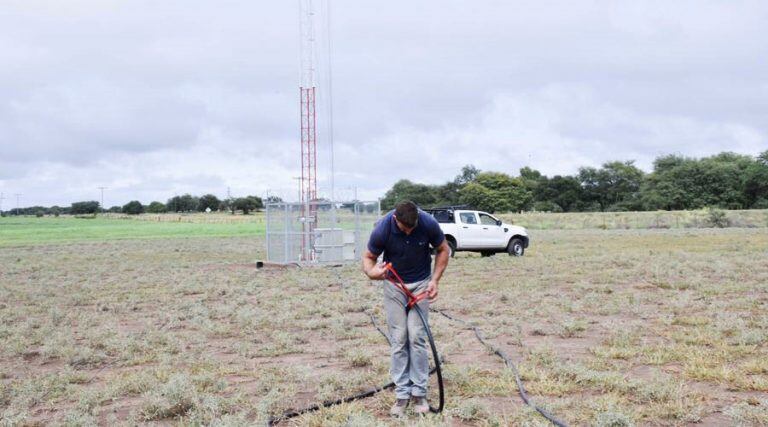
x=615, y=186
x=89, y=207
x=258, y=203
x=185, y=203
x=467, y=175
x=478, y=197
x=134, y=207
x=208, y=201
x=156, y=207
x=245, y=204
x=534, y=182
x=510, y=193
x=563, y=191
x=495, y=192
x=421, y=194
x=447, y=194
x=682, y=183
x=756, y=182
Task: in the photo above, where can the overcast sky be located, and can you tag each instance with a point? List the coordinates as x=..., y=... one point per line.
x=152, y=99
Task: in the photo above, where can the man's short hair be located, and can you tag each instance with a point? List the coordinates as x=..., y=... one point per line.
x=407, y=213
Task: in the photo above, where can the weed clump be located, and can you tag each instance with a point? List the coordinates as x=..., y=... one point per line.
x=175, y=398
x=13, y=417
x=613, y=418
x=749, y=413
x=472, y=410
x=78, y=418
x=572, y=329
x=717, y=218
x=358, y=358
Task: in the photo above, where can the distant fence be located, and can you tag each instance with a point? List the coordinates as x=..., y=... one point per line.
x=193, y=218
x=319, y=232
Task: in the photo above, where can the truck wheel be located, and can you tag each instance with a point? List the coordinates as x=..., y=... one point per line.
x=515, y=247
x=451, y=248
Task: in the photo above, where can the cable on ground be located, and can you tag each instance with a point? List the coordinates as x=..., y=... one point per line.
x=499, y=352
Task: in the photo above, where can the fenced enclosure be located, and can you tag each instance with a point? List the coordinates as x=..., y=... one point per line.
x=319, y=232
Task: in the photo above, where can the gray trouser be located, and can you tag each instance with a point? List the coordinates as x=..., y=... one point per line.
x=410, y=359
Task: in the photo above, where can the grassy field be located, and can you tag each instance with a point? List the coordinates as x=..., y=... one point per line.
x=27, y=230
x=637, y=220
x=610, y=328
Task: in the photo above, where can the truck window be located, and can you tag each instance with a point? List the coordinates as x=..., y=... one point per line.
x=444, y=216
x=468, y=218
x=486, y=219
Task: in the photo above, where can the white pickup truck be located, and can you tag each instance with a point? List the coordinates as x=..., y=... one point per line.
x=476, y=231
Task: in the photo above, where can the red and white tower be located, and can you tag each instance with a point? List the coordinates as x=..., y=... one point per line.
x=308, y=95
x=308, y=107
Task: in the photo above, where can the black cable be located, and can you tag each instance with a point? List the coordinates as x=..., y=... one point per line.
x=381, y=331
x=499, y=352
x=436, y=369
x=436, y=356
x=295, y=413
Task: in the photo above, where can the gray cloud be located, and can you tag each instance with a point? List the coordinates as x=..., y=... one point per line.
x=152, y=99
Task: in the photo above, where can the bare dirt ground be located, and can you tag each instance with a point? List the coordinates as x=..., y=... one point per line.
x=609, y=327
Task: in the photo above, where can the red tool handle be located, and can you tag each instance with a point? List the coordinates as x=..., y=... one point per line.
x=412, y=299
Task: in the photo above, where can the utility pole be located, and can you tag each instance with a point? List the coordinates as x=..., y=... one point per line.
x=102, y=198
x=18, y=195
x=230, y=204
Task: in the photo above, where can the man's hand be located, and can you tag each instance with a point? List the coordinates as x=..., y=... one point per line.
x=377, y=271
x=432, y=291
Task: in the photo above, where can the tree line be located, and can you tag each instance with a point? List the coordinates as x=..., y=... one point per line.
x=726, y=180
x=179, y=204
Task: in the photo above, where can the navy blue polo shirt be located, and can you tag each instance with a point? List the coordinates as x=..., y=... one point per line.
x=409, y=254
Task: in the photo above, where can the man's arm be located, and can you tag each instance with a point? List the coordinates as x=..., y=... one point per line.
x=371, y=269
x=441, y=262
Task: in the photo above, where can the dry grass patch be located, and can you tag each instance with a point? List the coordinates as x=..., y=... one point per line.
x=615, y=327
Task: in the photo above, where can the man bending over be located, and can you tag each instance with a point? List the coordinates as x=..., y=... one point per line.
x=405, y=236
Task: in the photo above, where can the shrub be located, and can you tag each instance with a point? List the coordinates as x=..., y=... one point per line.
x=173, y=399
x=717, y=218
x=156, y=207
x=614, y=419
x=90, y=207
x=133, y=207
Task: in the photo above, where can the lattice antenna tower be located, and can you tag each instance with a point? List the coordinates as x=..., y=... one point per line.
x=308, y=91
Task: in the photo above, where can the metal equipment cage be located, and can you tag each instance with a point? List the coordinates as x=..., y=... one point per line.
x=319, y=231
